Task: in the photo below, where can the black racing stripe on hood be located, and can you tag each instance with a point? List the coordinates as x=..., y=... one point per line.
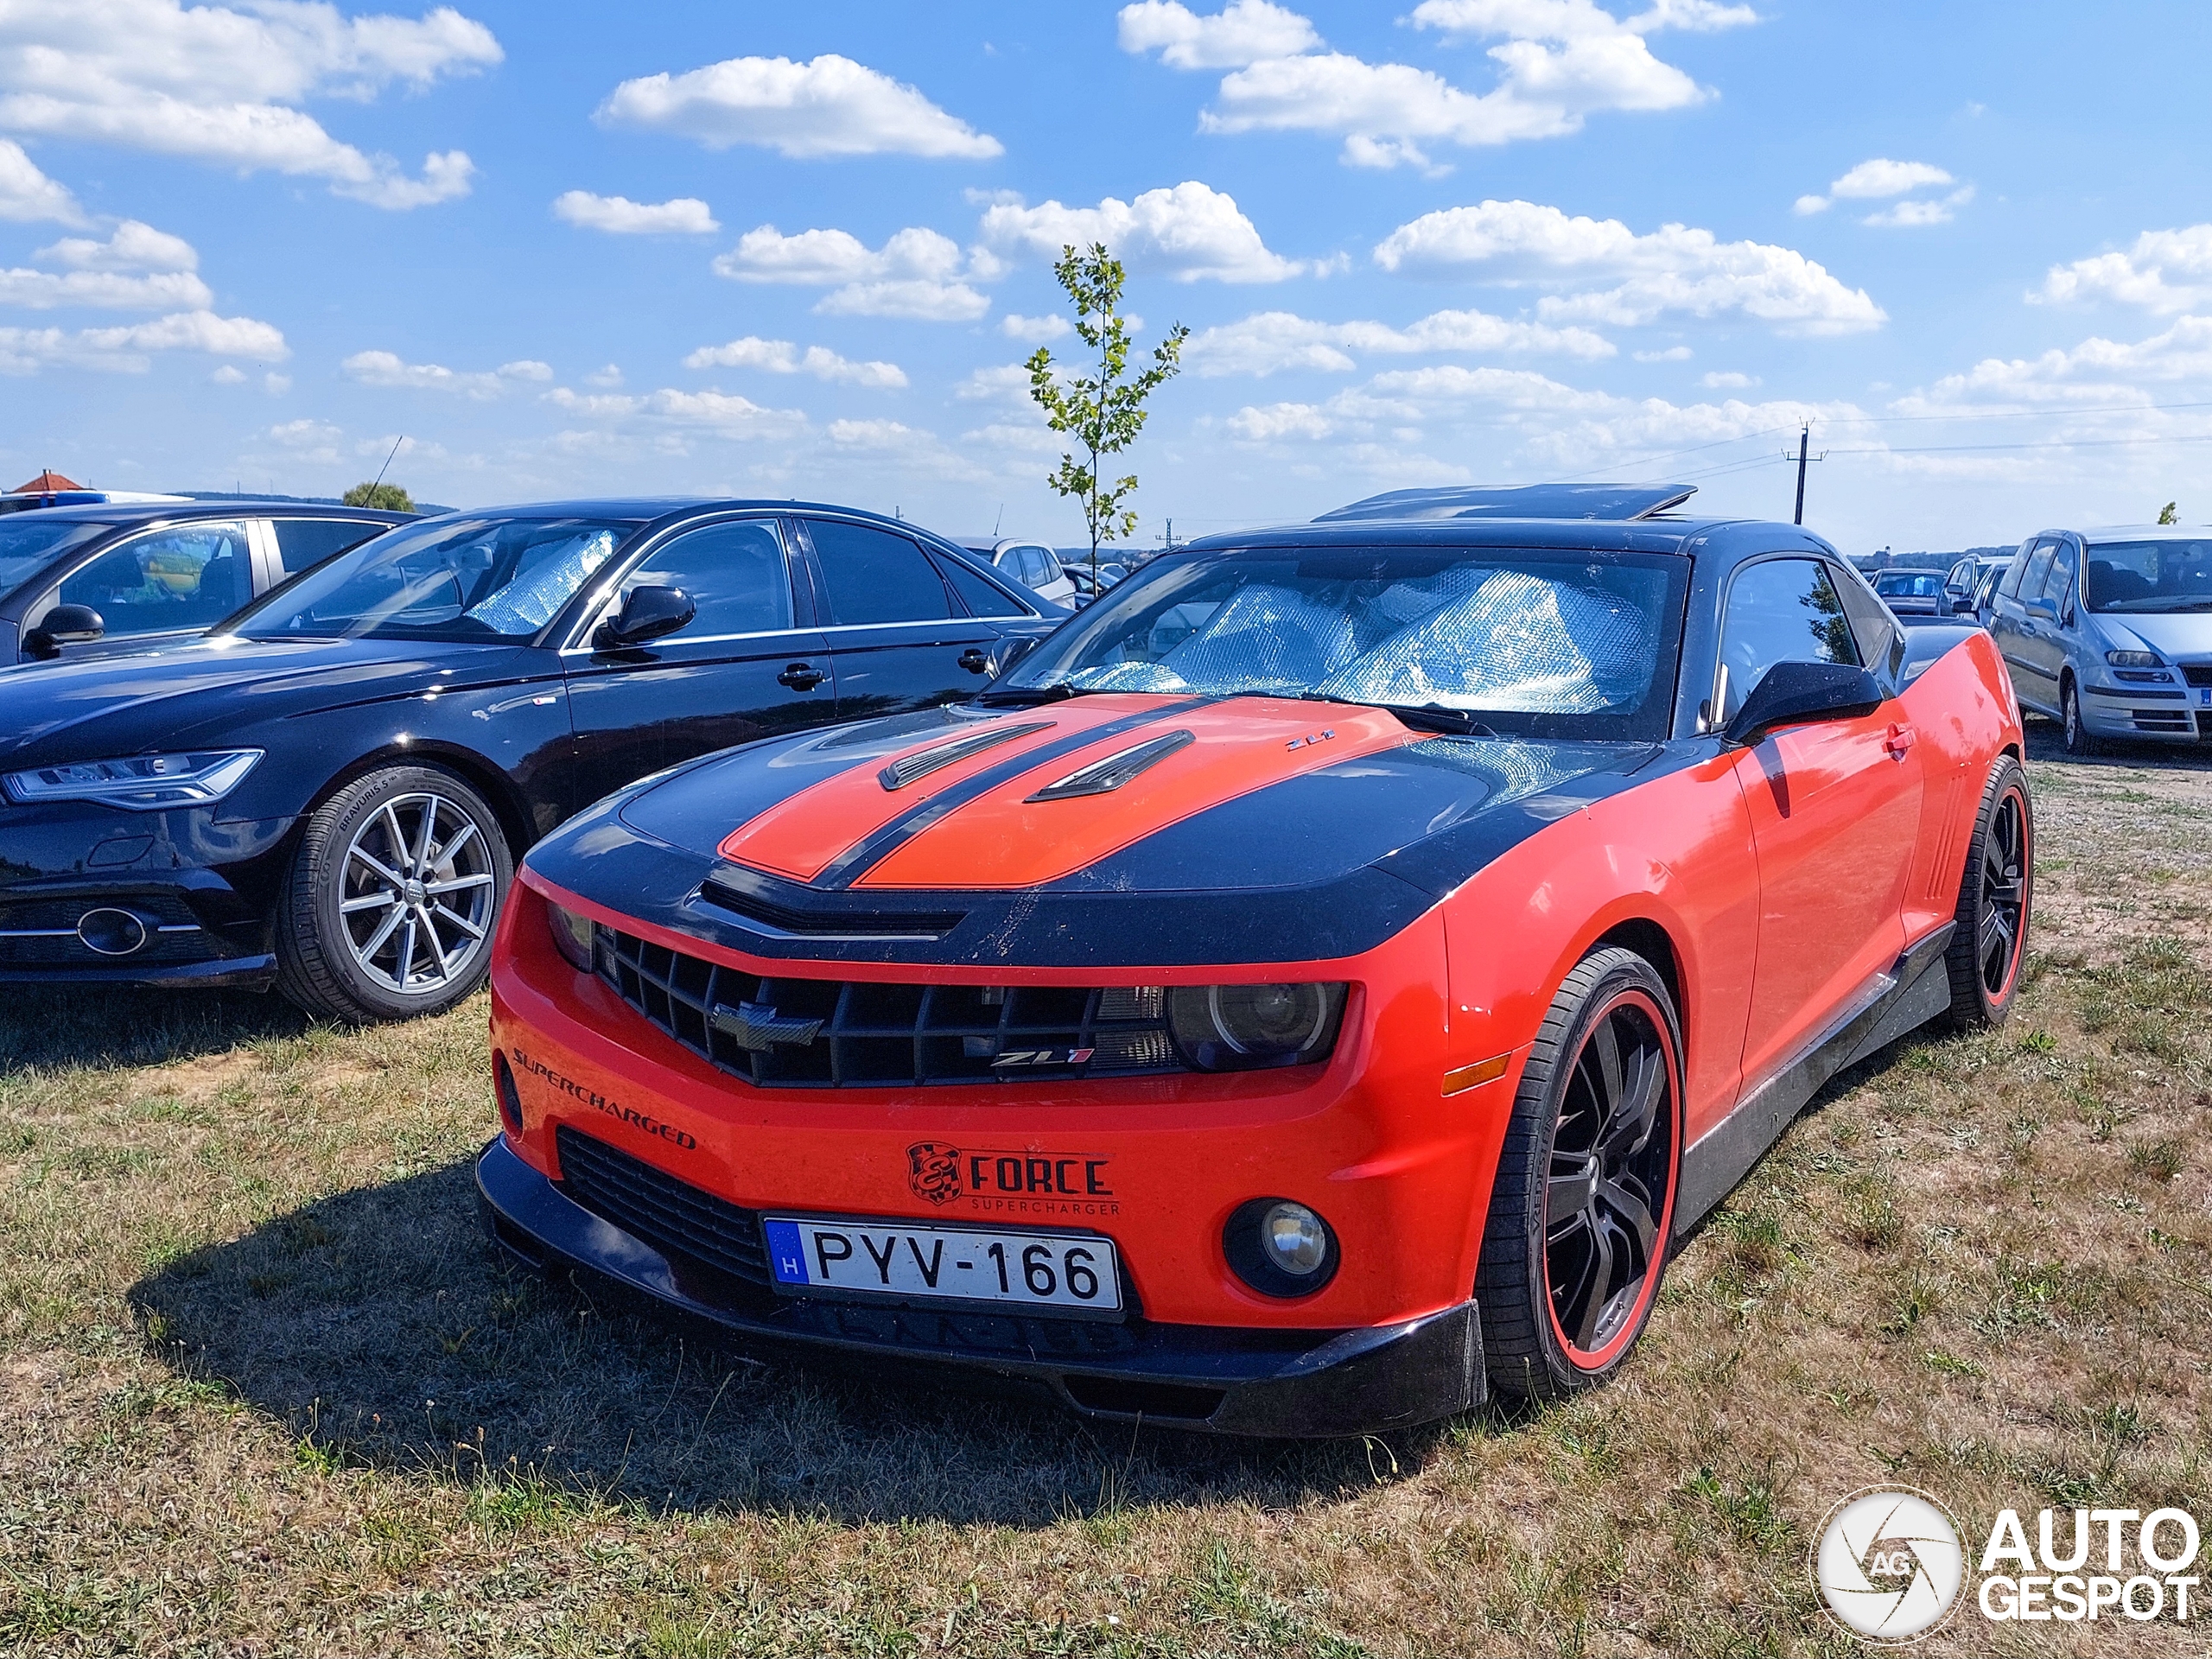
x=872, y=848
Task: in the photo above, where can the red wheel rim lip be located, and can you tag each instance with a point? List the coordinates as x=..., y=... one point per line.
x=2014, y=794
x=1585, y=1359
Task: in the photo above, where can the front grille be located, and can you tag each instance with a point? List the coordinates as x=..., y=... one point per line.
x=43, y=933
x=2163, y=719
x=655, y=1206
x=2197, y=673
x=2204, y=725
x=830, y=1033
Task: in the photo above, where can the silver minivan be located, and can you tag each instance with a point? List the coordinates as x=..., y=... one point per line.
x=2109, y=631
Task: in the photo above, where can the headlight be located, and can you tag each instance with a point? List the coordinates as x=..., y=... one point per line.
x=2134, y=659
x=142, y=783
x=1243, y=1027
x=572, y=937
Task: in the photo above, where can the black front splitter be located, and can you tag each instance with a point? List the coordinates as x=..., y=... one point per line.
x=1284, y=1384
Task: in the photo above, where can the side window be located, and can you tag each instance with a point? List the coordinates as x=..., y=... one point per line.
x=1048, y=566
x=1872, y=626
x=1781, y=611
x=304, y=542
x=186, y=576
x=2037, y=566
x=875, y=577
x=2060, y=582
x=2014, y=571
x=981, y=597
x=733, y=572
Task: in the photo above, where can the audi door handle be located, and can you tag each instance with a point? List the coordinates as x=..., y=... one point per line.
x=973, y=661
x=801, y=677
x=1900, y=740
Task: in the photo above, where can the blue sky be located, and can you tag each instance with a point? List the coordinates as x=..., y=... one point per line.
x=791, y=250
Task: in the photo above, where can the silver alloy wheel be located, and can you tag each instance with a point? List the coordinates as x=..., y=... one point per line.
x=415, y=894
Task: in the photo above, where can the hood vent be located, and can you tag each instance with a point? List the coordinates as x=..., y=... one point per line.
x=771, y=920
x=1104, y=777
x=899, y=773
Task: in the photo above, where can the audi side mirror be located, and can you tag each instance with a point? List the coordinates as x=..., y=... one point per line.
x=65, y=625
x=647, y=613
x=1791, y=694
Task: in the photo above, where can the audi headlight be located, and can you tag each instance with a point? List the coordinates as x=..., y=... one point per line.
x=572, y=937
x=1243, y=1027
x=142, y=783
x=2134, y=659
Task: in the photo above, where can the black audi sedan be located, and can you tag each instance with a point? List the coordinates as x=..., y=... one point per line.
x=116, y=576
x=330, y=791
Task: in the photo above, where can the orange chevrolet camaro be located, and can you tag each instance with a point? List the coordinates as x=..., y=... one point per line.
x=1306, y=994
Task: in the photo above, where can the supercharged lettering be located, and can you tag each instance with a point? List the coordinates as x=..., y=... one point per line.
x=597, y=1102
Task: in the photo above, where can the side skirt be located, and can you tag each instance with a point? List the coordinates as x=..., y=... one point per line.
x=1901, y=999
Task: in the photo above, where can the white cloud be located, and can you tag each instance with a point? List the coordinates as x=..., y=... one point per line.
x=830, y=106
x=131, y=246
x=782, y=356
x=1007, y=383
x=916, y=273
x=310, y=439
x=715, y=413
x=1187, y=232
x=619, y=216
x=276, y=385
x=1675, y=268
x=26, y=194
x=1245, y=31
x=1034, y=331
x=215, y=85
x=42, y=290
x=388, y=369
x=1933, y=211
x=228, y=375
x=2163, y=272
x=1272, y=422
x=1672, y=354
x=1270, y=341
x=1559, y=60
x=2098, y=370
x=1727, y=380
x=605, y=378
x=130, y=349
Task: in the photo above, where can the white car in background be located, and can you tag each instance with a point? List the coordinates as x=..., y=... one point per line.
x=1033, y=564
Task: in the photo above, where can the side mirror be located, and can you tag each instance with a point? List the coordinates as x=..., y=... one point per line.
x=1790, y=693
x=648, y=612
x=2040, y=606
x=1009, y=651
x=65, y=625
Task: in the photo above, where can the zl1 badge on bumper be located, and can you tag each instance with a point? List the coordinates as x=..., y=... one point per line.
x=1075, y=1271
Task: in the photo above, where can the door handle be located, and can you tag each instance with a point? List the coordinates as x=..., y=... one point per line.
x=1898, y=741
x=801, y=677
x=973, y=661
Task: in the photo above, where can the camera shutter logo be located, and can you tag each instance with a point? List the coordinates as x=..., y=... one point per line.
x=1889, y=1564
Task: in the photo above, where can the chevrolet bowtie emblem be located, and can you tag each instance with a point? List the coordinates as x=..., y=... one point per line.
x=758, y=1027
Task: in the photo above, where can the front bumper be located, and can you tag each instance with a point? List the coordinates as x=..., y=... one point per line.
x=1282, y=1383
x=2161, y=715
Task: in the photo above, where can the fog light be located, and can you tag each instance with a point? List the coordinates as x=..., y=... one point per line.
x=1279, y=1247
x=572, y=937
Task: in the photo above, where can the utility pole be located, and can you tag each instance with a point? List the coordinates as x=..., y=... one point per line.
x=1804, y=438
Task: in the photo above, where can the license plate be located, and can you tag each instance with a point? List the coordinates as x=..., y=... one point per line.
x=1068, y=1270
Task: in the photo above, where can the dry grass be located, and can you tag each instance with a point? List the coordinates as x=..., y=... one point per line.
x=264, y=1390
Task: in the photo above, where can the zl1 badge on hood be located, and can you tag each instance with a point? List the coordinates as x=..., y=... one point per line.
x=1012, y=1182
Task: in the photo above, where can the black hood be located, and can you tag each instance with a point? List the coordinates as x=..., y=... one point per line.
x=212, y=692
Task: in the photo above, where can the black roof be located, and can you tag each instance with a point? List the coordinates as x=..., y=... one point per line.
x=1617, y=501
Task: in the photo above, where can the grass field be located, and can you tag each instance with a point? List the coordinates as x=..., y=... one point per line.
x=264, y=1388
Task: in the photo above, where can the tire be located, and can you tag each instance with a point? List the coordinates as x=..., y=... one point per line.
x=2081, y=741
x=1996, y=903
x=343, y=954
x=1540, y=1338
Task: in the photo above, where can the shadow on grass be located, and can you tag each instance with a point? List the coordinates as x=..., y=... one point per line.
x=47, y=1026
x=382, y=1329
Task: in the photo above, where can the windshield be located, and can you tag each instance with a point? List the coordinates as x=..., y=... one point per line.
x=29, y=542
x=1532, y=642
x=2139, y=577
x=460, y=578
x=1912, y=587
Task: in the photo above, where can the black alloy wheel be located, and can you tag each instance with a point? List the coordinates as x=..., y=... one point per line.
x=1581, y=1210
x=1989, y=940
